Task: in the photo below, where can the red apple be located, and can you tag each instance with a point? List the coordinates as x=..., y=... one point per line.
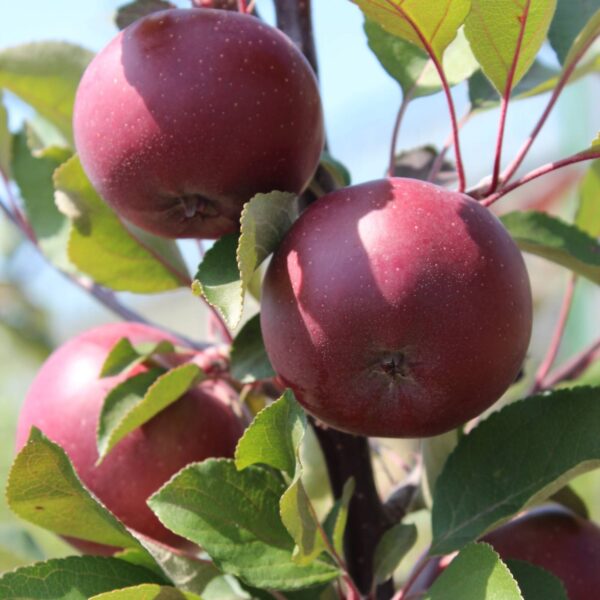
x=550, y=537
x=65, y=400
x=396, y=308
x=188, y=113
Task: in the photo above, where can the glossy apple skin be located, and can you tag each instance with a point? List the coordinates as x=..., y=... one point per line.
x=65, y=400
x=188, y=113
x=550, y=537
x=396, y=308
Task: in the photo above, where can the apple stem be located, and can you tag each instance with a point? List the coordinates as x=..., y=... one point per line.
x=242, y=6
x=557, y=336
x=406, y=98
x=436, y=167
x=540, y=171
x=562, y=82
x=573, y=367
x=506, y=99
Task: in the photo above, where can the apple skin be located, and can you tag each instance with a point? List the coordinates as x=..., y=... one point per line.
x=65, y=400
x=188, y=113
x=396, y=308
x=550, y=537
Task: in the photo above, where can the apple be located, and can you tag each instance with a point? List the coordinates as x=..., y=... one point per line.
x=396, y=308
x=188, y=113
x=550, y=537
x=65, y=400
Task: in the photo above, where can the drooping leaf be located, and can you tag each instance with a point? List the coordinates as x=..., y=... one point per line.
x=73, y=578
x=392, y=548
x=536, y=583
x=147, y=591
x=435, y=452
x=128, y=13
x=234, y=516
x=338, y=171
x=124, y=355
x=17, y=547
x=480, y=486
x=569, y=19
x=99, y=243
x=553, y=239
x=46, y=75
x=429, y=25
x=417, y=164
x=248, y=357
x=33, y=175
x=477, y=573
x=44, y=489
x=5, y=140
x=588, y=211
x=494, y=30
x=131, y=407
x=411, y=67
x=337, y=518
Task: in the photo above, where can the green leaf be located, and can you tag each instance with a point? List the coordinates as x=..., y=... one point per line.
x=513, y=459
x=139, y=399
x=411, y=67
x=335, y=523
x=549, y=237
x=147, y=591
x=392, y=548
x=46, y=75
x=588, y=211
x=433, y=23
x=249, y=360
x=124, y=355
x=337, y=170
x=228, y=267
x=477, y=573
x=435, y=452
x=417, y=163
x=73, y=578
x=99, y=243
x=234, y=516
x=569, y=19
x=131, y=12
x=44, y=489
x=5, y=140
x=17, y=547
x=536, y=583
x=33, y=175
x=586, y=37
x=218, y=279
x=494, y=28
x=274, y=436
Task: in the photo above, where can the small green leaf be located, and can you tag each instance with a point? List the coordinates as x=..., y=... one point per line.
x=569, y=19
x=131, y=12
x=391, y=549
x=19, y=545
x=5, y=140
x=44, y=489
x=588, y=211
x=536, y=583
x=335, y=523
x=124, y=355
x=248, y=357
x=46, y=76
x=433, y=23
x=218, y=279
x=139, y=399
x=411, y=67
x=584, y=39
x=99, y=243
x=234, y=516
x=337, y=170
x=494, y=28
x=477, y=573
x=481, y=487
x=147, y=591
x=549, y=237
x=435, y=451
x=418, y=162
x=274, y=436
x=73, y=578
x=33, y=175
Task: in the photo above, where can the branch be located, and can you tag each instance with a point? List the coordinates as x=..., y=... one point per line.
x=573, y=367
x=543, y=170
x=562, y=82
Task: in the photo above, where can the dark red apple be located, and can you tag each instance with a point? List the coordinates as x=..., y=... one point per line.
x=397, y=308
x=65, y=400
x=550, y=537
x=188, y=113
